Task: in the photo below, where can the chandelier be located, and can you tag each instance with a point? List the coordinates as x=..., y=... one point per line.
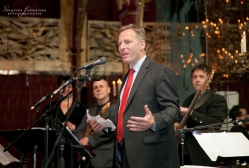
x=227, y=29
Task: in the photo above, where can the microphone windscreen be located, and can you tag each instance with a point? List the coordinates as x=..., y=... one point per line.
x=102, y=60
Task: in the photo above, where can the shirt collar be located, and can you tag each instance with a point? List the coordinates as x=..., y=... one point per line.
x=100, y=106
x=137, y=66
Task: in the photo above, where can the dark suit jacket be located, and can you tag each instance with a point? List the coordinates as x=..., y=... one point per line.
x=101, y=143
x=155, y=86
x=214, y=110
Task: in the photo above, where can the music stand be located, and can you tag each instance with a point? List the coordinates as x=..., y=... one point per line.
x=71, y=138
x=27, y=142
x=30, y=141
x=203, y=129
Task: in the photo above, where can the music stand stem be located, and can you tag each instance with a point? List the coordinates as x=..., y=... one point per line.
x=61, y=161
x=47, y=119
x=35, y=151
x=181, y=134
x=182, y=137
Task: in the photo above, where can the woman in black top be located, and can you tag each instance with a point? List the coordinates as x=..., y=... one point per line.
x=61, y=110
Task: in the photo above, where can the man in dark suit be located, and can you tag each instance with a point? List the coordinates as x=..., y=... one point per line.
x=151, y=109
x=98, y=142
x=145, y=124
x=209, y=109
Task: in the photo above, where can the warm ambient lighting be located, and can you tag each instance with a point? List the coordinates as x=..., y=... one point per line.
x=243, y=43
x=114, y=88
x=119, y=82
x=9, y=72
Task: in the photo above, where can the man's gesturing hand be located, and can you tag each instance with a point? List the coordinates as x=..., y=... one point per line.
x=141, y=123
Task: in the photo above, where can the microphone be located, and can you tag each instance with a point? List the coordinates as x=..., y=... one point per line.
x=101, y=60
x=40, y=101
x=61, y=87
x=90, y=78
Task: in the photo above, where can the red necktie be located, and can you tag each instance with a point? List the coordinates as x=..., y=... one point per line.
x=120, y=129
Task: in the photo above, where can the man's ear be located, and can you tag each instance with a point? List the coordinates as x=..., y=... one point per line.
x=109, y=89
x=142, y=44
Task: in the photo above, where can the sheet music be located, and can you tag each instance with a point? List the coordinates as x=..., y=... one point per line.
x=106, y=123
x=225, y=144
x=6, y=158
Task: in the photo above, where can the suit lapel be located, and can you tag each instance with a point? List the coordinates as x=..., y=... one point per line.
x=140, y=75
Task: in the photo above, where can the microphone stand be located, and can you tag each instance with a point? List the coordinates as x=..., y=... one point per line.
x=182, y=132
x=47, y=119
x=61, y=163
x=80, y=85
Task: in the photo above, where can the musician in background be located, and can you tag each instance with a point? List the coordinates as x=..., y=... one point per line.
x=210, y=108
x=61, y=110
x=98, y=142
x=239, y=112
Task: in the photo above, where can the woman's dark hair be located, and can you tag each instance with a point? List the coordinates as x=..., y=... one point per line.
x=235, y=111
x=62, y=79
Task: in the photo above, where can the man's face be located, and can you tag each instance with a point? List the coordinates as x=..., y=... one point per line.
x=243, y=116
x=101, y=90
x=198, y=78
x=130, y=47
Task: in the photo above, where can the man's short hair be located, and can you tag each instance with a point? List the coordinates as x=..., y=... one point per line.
x=140, y=32
x=202, y=67
x=98, y=78
x=235, y=111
